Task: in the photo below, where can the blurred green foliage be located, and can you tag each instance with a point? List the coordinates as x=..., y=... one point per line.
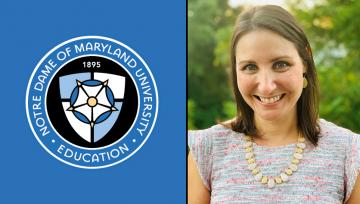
x=333, y=29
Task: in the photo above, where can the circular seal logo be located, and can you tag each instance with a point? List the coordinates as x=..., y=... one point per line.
x=92, y=102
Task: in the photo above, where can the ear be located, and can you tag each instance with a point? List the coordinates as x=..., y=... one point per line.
x=305, y=68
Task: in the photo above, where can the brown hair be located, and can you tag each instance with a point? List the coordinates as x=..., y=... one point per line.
x=278, y=20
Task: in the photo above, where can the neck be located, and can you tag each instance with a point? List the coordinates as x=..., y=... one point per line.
x=276, y=132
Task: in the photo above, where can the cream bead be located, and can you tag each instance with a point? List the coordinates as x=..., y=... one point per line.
x=258, y=176
x=293, y=167
x=299, y=150
x=301, y=145
x=271, y=183
x=252, y=166
x=278, y=180
x=264, y=179
x=251, y=160
x=249, y=155
x=247, y=144
x=295, y=161
x=284, y=177
x=288, y=172
x=248, y=149
x=298, y=156
x=256, y=170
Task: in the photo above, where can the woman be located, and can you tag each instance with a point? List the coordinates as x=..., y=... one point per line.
x=276, y=150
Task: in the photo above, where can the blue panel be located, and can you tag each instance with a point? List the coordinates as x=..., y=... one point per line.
x=110, y=96
x=68, y=83
x=74, y=95
x=102, y=128
x=92, y=82
x=81, y=117
x=102, y=117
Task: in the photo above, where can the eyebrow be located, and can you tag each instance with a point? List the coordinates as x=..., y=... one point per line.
x=272, y=60
x=281, y=57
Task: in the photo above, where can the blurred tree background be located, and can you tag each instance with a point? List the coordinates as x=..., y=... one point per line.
x=333, y=29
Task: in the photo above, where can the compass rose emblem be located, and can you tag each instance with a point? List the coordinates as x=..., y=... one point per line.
x=91, y=103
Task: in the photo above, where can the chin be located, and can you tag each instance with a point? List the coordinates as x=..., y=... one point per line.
x=270, y=116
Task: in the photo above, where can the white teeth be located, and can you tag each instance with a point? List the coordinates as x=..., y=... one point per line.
x=270, y=100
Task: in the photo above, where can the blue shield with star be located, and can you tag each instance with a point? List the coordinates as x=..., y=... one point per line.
x=92, y=102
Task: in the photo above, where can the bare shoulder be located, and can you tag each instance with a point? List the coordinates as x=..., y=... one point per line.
x=228, y=123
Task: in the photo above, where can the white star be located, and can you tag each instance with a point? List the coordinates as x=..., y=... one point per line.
x=92, y=101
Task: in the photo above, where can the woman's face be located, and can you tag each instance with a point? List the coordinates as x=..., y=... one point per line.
x=269, y=74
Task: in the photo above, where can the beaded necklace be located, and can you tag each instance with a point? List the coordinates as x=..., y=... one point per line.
x=284, y=175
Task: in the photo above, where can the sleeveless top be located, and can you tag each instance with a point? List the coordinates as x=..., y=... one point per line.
x=326, y=174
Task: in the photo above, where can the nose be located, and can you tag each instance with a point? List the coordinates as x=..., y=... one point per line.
x=266, y=83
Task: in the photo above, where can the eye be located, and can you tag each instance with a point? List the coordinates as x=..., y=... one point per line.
x=281, y=65
x=249, y=68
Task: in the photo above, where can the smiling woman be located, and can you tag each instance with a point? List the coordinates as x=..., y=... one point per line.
x=277, y=149
x=270, y=82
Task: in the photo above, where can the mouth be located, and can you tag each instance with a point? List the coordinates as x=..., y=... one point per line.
x=269, y=100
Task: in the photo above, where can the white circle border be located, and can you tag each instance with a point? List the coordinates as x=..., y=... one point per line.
x=37, y=67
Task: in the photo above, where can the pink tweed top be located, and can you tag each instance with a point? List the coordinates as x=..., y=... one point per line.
x=326, y=174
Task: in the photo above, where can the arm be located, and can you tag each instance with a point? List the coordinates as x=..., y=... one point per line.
x=355, y=194
x=197, y=192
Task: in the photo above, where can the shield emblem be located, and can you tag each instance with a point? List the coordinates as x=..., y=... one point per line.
x=92, y=102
